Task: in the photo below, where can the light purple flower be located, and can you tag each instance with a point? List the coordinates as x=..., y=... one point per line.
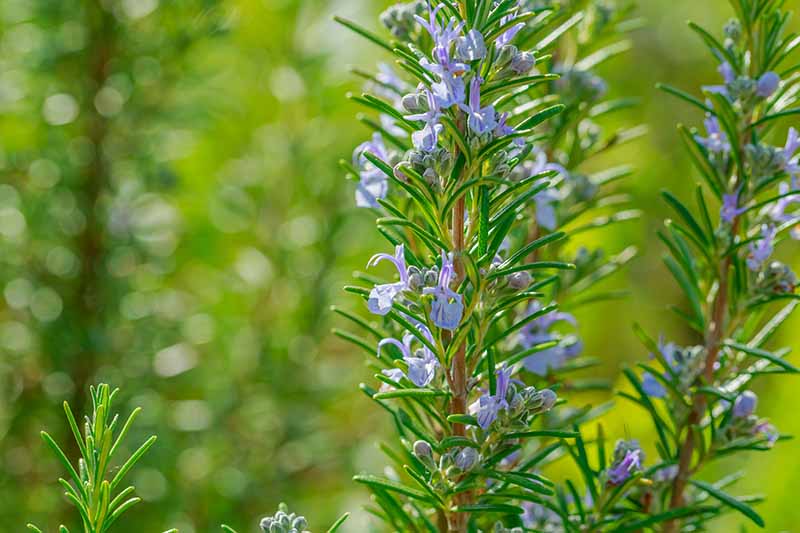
x=481, y=119
x=728, y=75
x=502, y=129
x=767, y=84
x=422, y=363
x=443, y=38
x=369, y=189
x=510, y=33
x=768, y=431
x=447, y=307
x=621, y=470
x=467, y=458
x=449, y=91
x=382, y=296
x=650, y=384
x=745, y=404
x=791, y=167
x=778, y=211
x=761, y=249
x=538, y=332
x=388, y=80
x=487, y=407
x=716, y=141
x=395, y=374
x=471, y=47
x=540, y=164
x=545, y=202
x=432, y=114
x=373, y=183
x=730, y=207
x=426, y=139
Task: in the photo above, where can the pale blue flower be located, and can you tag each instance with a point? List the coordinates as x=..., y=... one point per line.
x=768, y=431
x=471, y=47
x=502, y=129
x=510, y=33
x=432, y=114
x=778, y=212
x=427, y=139
x=422, y=363
x=791, y=166
x=373, y=183
x=480, y=119
x=449, y=91
x=716, y=142
x=650, y=384
x=761, y=249
x=486, y=408
x=730, y=207
x=447, y=307
x=382, y=296
x=538, y=332
x=622, y=470
x=545, y=202
x=728, y=75
x=467, y=458
x=745, y=404
x=767, y=84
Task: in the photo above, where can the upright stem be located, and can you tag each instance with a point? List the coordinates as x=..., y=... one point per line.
x=88, y=297
x=713, y=337
x=458, y=404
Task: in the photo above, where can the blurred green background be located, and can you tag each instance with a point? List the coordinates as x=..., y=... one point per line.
x=173, y=221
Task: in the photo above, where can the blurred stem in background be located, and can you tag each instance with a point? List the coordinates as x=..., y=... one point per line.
x=90, y=296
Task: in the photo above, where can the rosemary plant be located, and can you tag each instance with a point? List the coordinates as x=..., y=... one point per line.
x=461, y=157
x=92, y=487
x=736, y=296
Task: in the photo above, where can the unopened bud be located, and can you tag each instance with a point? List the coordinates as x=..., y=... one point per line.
x=519, y=280
x=467, y=458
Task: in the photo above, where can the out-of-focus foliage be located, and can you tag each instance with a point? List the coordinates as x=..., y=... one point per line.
x=174, y=223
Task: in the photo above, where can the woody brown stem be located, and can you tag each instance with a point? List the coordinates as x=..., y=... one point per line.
x=713, y=338
x=458, y=403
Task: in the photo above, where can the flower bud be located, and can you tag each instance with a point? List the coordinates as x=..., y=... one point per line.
x=742, y=89
x=548, y=399
x=453, y=472
x=733, y=30
x=745, y=404
x=467, y=458
x=519, y=280
x=431, y=277
x=777, y=278
x=522, y=63
x=767, y=84
x=471, y=47
x=506, y=55
x=423, y=450
x=415, y=103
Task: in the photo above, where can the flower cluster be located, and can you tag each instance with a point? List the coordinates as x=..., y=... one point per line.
x=284, y=522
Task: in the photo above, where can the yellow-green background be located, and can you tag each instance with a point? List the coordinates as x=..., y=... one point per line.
x=267, y=235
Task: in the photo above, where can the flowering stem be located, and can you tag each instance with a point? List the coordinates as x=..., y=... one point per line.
x=458, y=405
x=714, y=336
